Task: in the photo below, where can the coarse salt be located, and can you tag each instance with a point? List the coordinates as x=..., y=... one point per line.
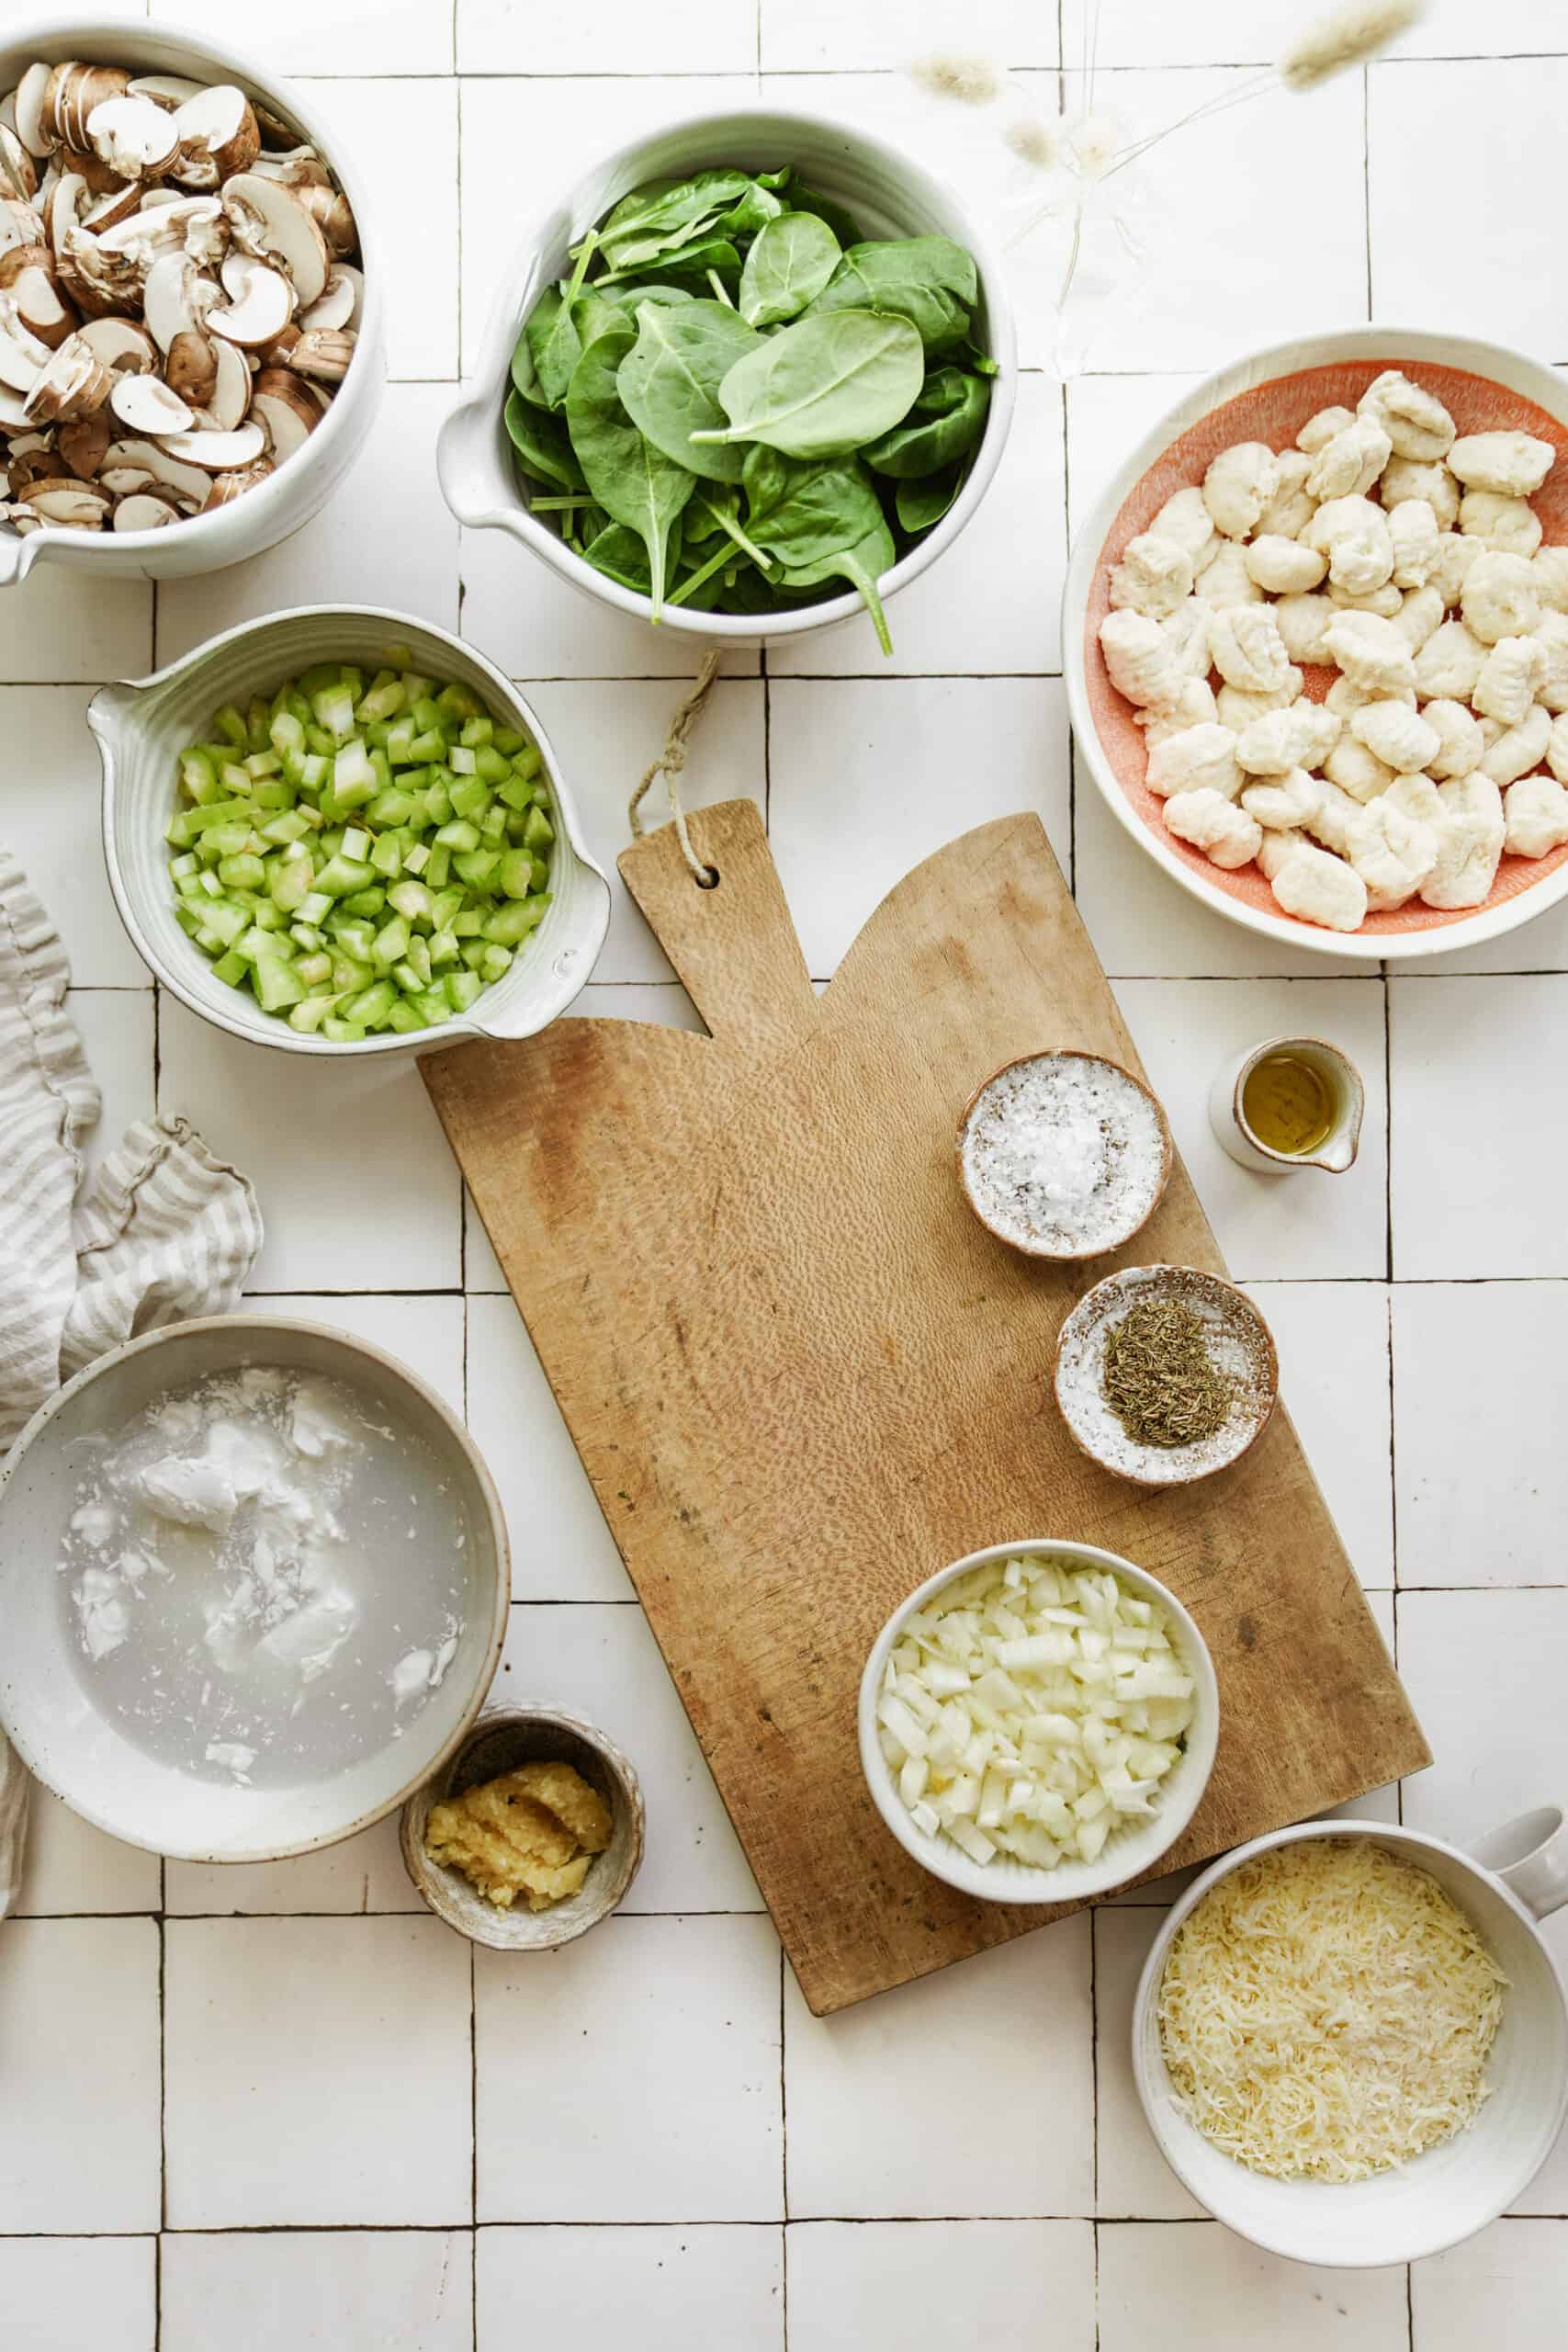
x=1063, y=1155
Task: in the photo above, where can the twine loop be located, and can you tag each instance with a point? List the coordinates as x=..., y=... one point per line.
x=668, y=764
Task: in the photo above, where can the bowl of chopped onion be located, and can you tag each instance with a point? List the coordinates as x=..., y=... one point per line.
x=1038, y=1722
x=1350, y=2038
x=341, y=830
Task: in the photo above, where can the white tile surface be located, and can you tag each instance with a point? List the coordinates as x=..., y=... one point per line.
x=1107, y=417
x=1233, y=2297
x=61, y=625
x=357, y=1189
x=522, y=617
x=604, y=737
x=278, y=2291
x=993, y=602
x=1495, y=1206
x=561, y=1549
x=632, y=2074
x=52, y=826
x=663, y=2290
x=871, y=776
x=364, y=1873
x=1509, y=2286
x=605, y=1663
x=1456, y=1524
x=386, y=538
x=117, y=1031
x=1332, y=1339
x=805, y=36
x=1429, y=221
x=882, y=2286
x=402, y=133
x=1476, y=1665
x=702, y=37
x=1132, y=2176
x=1249, y=33
x=424, y=1333
x=79, y=2151
x=72, y=1867
x=338, y=37
x=316, y=2071
x=1305, y=1224
x=872, y=2093
x=65, y=2294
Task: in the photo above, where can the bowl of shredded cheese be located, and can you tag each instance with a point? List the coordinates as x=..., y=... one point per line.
x=1038, y=1722
x=1350, y=2042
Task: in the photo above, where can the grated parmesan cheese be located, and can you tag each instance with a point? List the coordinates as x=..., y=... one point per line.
x=1326, y=2012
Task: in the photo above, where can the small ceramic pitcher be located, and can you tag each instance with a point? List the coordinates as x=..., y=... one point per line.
x=1228, y=1118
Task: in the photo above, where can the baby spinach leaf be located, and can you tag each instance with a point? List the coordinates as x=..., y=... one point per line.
x=554, y=344
x=668, y=380
x=523, y=378
x=826, y=506
x=654, y=220
x=824, y=385
x=766, y=476
x=542, y=446
x=788, y=265
x=593, y=316
x=627, y=297
x=719, y=510
x=620, y=554
x=929, y=280
x=863, y=566
x=844, y=225
x=634, y=483
x=919, y=505
x=943, y=426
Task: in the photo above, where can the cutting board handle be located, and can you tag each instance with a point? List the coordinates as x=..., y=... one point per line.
x=733, y=945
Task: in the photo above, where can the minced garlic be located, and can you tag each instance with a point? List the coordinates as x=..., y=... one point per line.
x=533, y=1832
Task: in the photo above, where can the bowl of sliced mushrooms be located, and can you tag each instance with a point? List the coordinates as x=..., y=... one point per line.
x=190, y=321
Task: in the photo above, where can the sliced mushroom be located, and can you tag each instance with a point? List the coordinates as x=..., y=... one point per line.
x=226, y=488
x=100, y=279
x=143, y=510
x=23, y=357
x=85, y=444
x=75, y=384
x=187, y=485
x=274, y=132
x=218, y=453
x=277, y=354
x=329, y=208
x=176, y=298
x=205, y=226
x=147, y=405
x=218, y=136
x=322, y=354
x=14, y=417
x=122, y=346
x=284, y=408
x=299, y=167
x=13, y=259
x=135, y=138
x=32, y=129
x=227, y=405
x=42, y=307
x=81, y=504
x=101, y=178
x=29, y=457
x=62, y=206
x=269, y=221
x=73, y=91
x=169, y=90
x=124, y=481
x=20, y=224
x=18, y=173
x=260, y=301
x=343, y=301
x=191, y=368
x=107, y=210
x=23, y=521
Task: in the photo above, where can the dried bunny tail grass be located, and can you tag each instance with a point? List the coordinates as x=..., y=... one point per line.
x=973, y=81
x=1034, y=141
x=1346, y=36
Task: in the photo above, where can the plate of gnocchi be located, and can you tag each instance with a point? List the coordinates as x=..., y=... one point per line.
x=1316, y=642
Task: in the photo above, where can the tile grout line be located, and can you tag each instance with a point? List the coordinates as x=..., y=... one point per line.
x=784, y=2158
x=1367, y=179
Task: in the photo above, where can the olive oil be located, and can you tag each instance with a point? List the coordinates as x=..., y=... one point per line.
x=1288, y=1104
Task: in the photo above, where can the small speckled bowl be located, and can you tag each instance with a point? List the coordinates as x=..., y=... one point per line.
x=1244, y=1346
x=504, y=1738
x=1038, y=1248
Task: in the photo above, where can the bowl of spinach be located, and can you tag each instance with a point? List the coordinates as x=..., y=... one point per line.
x=748, y=378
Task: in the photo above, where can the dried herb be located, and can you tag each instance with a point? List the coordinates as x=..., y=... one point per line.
x=1159, y=1379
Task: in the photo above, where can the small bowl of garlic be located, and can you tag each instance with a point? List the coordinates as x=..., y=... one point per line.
x=1038, y=1722
x=530, y=1835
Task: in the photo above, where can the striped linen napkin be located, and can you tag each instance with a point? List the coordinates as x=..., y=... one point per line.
x=164, y=1230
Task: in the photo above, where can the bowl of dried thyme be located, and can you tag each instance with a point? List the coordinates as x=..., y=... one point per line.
x=1165, y=1374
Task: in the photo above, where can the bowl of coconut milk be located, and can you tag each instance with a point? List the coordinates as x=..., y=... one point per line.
x=253, y=1585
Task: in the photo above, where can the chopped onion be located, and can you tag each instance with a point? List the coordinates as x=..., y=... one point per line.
x=1032, y=1709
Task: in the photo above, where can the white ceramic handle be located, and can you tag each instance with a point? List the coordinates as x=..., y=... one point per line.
x=1530, y=1855
x=17, y=556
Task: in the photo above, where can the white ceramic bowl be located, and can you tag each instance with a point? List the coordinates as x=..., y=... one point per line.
x=889, y=194
x=1485, y=384
x=46, y=1706
x=1137, y=1847
x=298, y=490
x=143, y=726
x=1514, y=1877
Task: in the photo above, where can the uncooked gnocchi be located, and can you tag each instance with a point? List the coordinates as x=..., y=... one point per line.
x=1407, y=558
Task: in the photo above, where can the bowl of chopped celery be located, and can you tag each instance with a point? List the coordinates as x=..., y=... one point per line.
x=340, y=830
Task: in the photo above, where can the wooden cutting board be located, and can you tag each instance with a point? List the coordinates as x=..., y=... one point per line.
x=802, y=1377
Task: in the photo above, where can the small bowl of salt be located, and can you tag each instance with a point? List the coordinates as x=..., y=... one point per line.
x=1063, y=1155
